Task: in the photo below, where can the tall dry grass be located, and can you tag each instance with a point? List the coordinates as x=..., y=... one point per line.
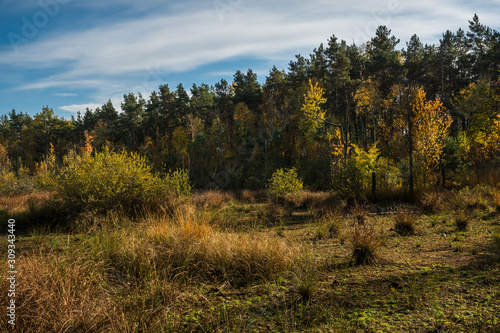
x=186, y=245
x=212, y=198
x=404, y=221
x=365, y=243
x=58, y=294
x=17, y=204
x=190, y=243
x=130, y=277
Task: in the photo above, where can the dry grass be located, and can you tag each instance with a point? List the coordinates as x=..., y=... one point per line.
x=329, y=203
x=274, y=213
x=433, y=202
x=359, y=214
x=365, y=243
x=212, y=198
x=17, y=204
x=330, y=224
x=187, y=246
x=127, y=277
x=404, y=222
x=496, y=200
x=462, y=220
x=252, y=196
x=50, y=287
x=189, y=243
x=305, y=199
x=179, y=272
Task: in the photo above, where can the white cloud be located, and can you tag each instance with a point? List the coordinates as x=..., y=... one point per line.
x=65, y=94
x=115, y=57
x=79, y=107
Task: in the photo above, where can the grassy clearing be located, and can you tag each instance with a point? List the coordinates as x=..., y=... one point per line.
x=228, y=262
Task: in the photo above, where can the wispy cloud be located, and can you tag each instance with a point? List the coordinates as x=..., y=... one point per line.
x=65, y=94
x=79, y=107
x=137, y=52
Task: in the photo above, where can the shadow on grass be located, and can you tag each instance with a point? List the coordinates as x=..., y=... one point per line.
x=440, y=298
x=48, y=214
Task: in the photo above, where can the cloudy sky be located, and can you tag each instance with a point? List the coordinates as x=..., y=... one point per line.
x=73, y=54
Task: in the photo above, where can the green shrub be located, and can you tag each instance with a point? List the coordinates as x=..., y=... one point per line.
x=8, y=182
x=353, y=177
x=110, y=180
x=45, y=172
x=178, y=183
x=284, y=181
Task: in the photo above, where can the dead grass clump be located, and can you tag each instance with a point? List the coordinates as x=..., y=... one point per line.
x=237, y=258
x=404, y=222
x=252, y=196
x=330, y=203
x=186, y=245
x=274, y=212
x=496, y=201
x=58, y=294
x=365, y=243
x=21, y=203
x=304, y=199
x=462, y=220
x=212, y=198
x=330, y=224
x=359, y=214
x=192, y=223
x=433, y=202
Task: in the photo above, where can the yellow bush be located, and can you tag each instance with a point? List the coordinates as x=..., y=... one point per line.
x=45, y=171
x=282, y=182
x=109, y=180
x=8, y=182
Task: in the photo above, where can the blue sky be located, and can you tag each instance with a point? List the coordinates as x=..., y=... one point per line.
x=74, y=54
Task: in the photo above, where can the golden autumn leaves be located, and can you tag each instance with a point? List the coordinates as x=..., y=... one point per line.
x=405, y=112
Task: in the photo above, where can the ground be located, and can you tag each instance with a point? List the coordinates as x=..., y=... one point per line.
x=435, y=279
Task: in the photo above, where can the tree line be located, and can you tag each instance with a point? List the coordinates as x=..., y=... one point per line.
x=360, y=119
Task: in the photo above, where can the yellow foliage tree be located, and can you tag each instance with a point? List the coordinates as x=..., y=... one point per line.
x=88, y=148
x=244, y=116
x=313, y=115
x=431, y=123
x=479, y=103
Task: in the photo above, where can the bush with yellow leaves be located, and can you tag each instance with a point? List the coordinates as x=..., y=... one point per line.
x=109, y=180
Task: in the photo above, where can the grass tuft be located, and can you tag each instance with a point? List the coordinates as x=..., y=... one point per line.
x=306, y=279
x=330, y=224
x=461, y=220
x=69, y=289
x=360, y=214
x=496, y=201
x=404, y=222
x=365, y=243
x=212, y=198
x=496, y=238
